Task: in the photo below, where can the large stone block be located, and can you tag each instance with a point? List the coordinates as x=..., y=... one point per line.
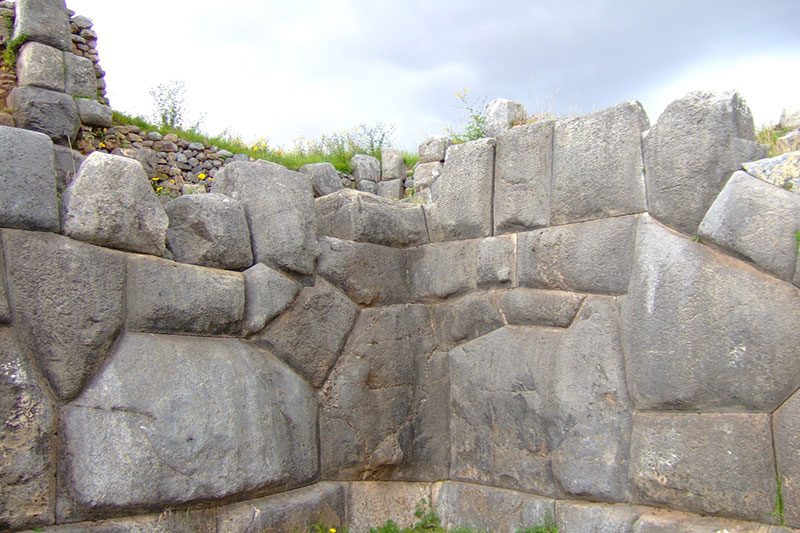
x=523, y=167
x=209, y=230
x=464, y=207
x=500, y=115
x=706, y=332
x=597, y=164
x=168, y=297
x=324, y=178
x=373, y=503
x=572, y=516
x=267, y=294
x=665, y=521
x=532, y=307
x=592, y=256
x=783, y=170
x=93, y=113
x=310, y=334
x=434, y=148
x=68, y=304
x=358, y=216
x=172, y=520
x=425, y=174
x=80, y=76
x=41, y=66
x=174, y=419
x=365, y=168
x=369, y=274
x=691, y=151
x=279, y=205
x=27, y=181
x=490, y=509
x=44, y=21
x=756, y=221
x=392, y=189
x=459, y=321
x=52, y=113
x=369, y=424
x=719, y=464
x=393, y=167
x=323, y=504
x=786, y=427
x=496, y=262
x=111, y=203
x=27, y=441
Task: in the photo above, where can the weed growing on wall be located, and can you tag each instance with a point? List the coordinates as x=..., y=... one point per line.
x=11, y=51
x=472, y=129
x=768, y=135
x=169, y=101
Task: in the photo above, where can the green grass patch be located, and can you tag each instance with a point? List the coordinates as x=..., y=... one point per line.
x=768, y=135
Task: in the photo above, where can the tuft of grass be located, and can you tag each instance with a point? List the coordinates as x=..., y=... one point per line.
x=768, y=135
x=472, y=130
x=11, y=52
x=410, y=159
x=778, y=512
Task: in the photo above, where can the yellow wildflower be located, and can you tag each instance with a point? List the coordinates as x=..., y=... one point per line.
x=159, y=188
x=333, y=530
x=102, y=145
x=201, y=176
x=156, y=179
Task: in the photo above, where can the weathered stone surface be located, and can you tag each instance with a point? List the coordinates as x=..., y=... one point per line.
x=27, y=441
x=111, y=203
x=367, y=186
x=146, y=156
x=592, y=256
x=434, y=148
x=67, y=162
x=597, y=164
x=783, y=171
x=5, y=308
x=81, y=77
x=532, y=307
x=68, y=304
x=496, y=264
x=93, y=113
x=755, y=221
x=267, y=294
x=369, y=425
x=27, y=181
x=442, y=269
x=501, y=115
x=310, y=334
x=464, y=207
x=369, y=274
x=572, y=516
x=209, y=230
x=697, y=325
x=523, y=167
x=174, y=521
x=324, y=178
x=173, y=419
x=705, y=463
x=355, y=216
x=789, y=142
x=52, y=113
x=373, y=503
x=786, y=425
x=664, y=521
x=489, y=508
x=691, y=151
x=365, y=168
x=279, y=205
x=393, y=167
x=460, y=321
x=392, y=189
x=426, y=173
x=41, y=66
x=535, y=405
x=44, y=21
x=168, y=297
x=790, y=118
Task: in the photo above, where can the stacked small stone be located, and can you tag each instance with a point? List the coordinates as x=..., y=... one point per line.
x=84, y=44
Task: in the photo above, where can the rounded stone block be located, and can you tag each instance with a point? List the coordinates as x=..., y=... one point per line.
x=50, y=112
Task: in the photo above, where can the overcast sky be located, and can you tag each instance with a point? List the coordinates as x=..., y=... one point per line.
x=264, y=68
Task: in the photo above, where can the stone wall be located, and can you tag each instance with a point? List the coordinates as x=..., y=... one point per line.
x=595, y=322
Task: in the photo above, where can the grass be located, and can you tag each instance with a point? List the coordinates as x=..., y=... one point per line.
x=11, y=51
x=768, y=135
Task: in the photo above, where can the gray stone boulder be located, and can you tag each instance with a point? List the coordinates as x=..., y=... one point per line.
x=80, y=76
x=697, y=324
x=393, y=166
x=111, y=203
x=531, y=307
x=324, y=178
x=523, y=166
x=168, y=297
x=369, y=274
x=52, y=113
x=592, y=256
x=367, y=186
x=691, y=151
x=783, y=170
x=391, y=190
x=786, y=428
x=67, y=162
x=279, y=205
x=209, y=230
x=146, y=156
x=501, y=115
x=68, y=304
x=310, y=334
x=370, y=403
x=44, y=21
x=365, y=168
x=597, y=165
x=755, y=221
x=355, y=216
x=28, y=197
x=434, y=148
x=93, y=113
x=425, y=174
x=459, y=321
x=174, y=419
x=597, y=518
x=42, y=66
x=705, y=463
x=464, y=207
x=374, y=503
x=267, y=294
x=27, y=441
